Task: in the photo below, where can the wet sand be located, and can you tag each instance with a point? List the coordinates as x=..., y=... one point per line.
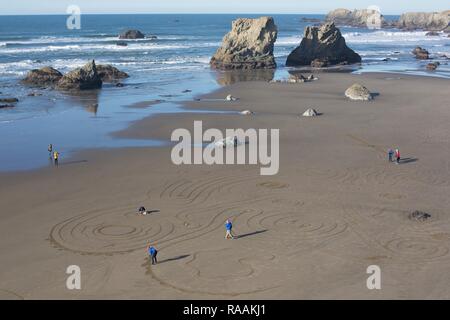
x=310, y=232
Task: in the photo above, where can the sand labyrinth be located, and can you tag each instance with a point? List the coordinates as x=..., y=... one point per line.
x=108, y=231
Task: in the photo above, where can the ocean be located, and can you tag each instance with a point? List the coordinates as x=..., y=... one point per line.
x=173, y=68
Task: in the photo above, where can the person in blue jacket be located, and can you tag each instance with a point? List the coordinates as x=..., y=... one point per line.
x=228, y=227
x=153, y=252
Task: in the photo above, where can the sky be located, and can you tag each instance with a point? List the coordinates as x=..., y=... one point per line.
x=215, y=6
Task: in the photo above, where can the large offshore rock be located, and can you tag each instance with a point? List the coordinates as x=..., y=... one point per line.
x=357, y=18
x=322, y=46
x=433, y=21
x=42, y=77
x=249, y=45
x=83, y=78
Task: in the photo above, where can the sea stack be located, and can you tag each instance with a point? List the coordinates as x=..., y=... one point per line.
x=132, y=34
x=370, y=18
x=249, y=45
x=432, y=21
x=84, y=78
x=322, y=47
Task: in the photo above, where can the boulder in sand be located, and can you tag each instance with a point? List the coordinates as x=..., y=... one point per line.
x=132, y=34
x=322, y=46
x=231, y=98
x=109, y=73
x=246, y=113
x=249, y=45
x=419, y=216
x=358, y=92
x=42, y=77
x=310, y=113
x=421, y=53
x=84, y=78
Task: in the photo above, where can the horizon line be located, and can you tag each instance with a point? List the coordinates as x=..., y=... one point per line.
x=176, y=13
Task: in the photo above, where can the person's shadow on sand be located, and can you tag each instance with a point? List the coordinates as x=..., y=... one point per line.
x=249, y=234
x=408, y=160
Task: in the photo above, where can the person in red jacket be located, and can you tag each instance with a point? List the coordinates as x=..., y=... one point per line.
x=397, y=155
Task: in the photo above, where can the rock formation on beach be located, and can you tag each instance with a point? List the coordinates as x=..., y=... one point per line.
x=357, y=18
x=358, y=92
x=421, y=53
x=249, y=45
x=42, y=77
x=83, y=78
x=132, y=34
x=108, y=73
x=321, y=47
x=433, y=21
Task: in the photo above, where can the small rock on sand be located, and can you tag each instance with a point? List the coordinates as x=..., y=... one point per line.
x=358, y=92
x=419, y=216
x=310, y=113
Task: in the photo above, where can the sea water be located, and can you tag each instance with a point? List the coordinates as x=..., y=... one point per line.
x=173, y=68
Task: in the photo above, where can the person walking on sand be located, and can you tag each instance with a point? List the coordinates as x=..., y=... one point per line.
x=50, y=150
x=228, y=227
x=56, y=157
x=152, y=252
x=390, y=154
x=397, y=155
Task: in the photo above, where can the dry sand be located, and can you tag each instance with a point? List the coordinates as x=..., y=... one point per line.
x=336, y=206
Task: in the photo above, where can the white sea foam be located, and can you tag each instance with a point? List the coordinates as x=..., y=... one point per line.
x=397, y=37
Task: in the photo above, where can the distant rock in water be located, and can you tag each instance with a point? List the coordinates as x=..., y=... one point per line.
x=9, y=100
x=357, y=18
x=84, y=78
x=109, y=73
x=322, y=46
x=132, y=34
x=421, y=53
x=249, y=45
x=433, y=66
x=6, y=106
x=121, y=44
x=432, y=34
x=358, y=92
x=42, y=77
x=433, y=21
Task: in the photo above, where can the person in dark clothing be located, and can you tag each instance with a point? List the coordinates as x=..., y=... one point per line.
x=391, y=155
x=153, y=252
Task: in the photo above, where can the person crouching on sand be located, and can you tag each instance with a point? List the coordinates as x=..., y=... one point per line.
x=397, y=155
x=152, y=253
x=228, y=227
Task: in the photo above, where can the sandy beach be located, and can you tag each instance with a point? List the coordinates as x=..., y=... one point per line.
x=310, y=232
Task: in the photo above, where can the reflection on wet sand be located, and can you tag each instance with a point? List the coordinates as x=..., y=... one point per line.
x=88, y=99
x=225, y=78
